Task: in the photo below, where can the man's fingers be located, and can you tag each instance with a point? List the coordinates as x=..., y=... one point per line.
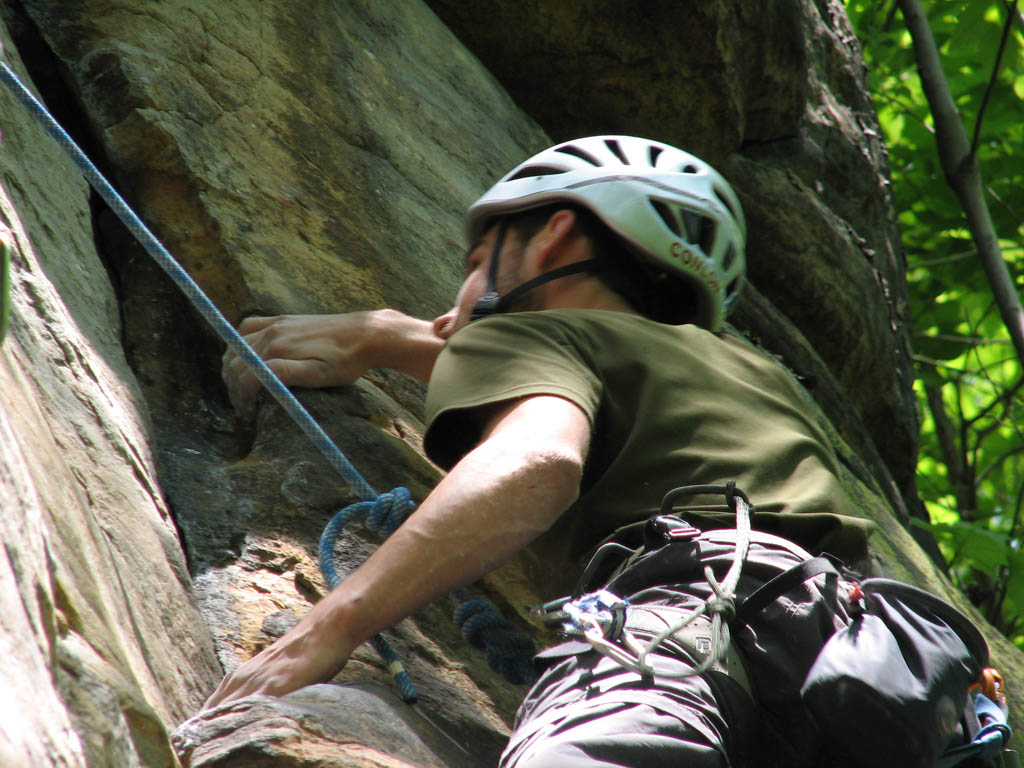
x=299, y=373
x=243, y=386
x=255, y=323
x=219, y=695
x=241, y=382
x=293, y=348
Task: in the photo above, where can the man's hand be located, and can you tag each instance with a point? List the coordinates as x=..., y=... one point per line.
x=329, y=350
x=313, y=651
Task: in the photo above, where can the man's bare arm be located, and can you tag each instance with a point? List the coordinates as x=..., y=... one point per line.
x=522, y=476
x=330, y=350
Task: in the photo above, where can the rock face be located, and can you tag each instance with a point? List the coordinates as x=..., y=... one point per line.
x=104, y=648
x=319, y=159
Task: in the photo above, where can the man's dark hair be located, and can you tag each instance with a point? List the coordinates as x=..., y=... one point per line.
x=651, y=292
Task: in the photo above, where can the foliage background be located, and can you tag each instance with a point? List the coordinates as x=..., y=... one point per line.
x=969, y=378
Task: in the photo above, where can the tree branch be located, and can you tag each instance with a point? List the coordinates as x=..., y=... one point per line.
x=943, y=259
x=1005, y=398
x=992, y=80
x=960, y=339
x=890, y=17
x=1015, y=451
x=998, y=199
x=937, y=364
x=962, y=172
x=945, y=432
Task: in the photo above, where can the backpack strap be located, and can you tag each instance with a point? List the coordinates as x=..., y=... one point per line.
x=783, y=583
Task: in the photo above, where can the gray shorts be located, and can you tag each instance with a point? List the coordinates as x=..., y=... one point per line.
x=586, y=710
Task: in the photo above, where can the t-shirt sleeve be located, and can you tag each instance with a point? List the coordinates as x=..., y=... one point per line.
x=495, y=360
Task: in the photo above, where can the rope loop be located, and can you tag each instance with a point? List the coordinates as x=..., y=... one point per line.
x=383, y=515
x=517, y=668
x=473, y=618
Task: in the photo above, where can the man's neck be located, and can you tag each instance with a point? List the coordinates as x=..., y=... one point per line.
x=584, y=292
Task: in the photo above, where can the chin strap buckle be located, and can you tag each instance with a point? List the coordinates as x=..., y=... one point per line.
x=487, y=305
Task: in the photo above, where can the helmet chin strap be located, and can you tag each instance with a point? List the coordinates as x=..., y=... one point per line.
x=491, y=303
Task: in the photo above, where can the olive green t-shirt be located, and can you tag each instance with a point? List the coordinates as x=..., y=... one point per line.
x=668, y=406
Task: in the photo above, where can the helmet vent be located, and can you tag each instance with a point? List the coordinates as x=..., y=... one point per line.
x=535, y=170
x=724, y=200
x=586, y=157
x=707, y=234
x=613, y=145
x=730, y=258
x=652, y=154
x=693, y=221
x=690, y=168
x=667, y=216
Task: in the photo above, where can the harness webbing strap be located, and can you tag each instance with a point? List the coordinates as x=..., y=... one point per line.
x=781, y=584
x=627, y=650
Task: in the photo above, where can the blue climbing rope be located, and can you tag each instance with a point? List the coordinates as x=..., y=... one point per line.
x=220, y=324
x=508, y=652
x=206, y=307
x=382, y=516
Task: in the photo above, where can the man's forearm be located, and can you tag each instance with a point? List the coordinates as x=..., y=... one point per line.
x=486, y=510
x=504, y=493
x=403, y=343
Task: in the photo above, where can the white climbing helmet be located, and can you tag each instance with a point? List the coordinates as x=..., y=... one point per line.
x=673, y=210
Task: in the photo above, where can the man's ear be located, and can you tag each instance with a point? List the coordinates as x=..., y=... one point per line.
x=553, y=240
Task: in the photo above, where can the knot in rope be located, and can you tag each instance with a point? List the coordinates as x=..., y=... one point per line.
x=383, y=516
x=388, y=511
x=509, y=652
x=722, y=606
x=723, y=602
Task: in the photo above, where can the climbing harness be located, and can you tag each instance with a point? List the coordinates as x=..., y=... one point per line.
x=890, y=658
x=604, y=620
x=488, y=631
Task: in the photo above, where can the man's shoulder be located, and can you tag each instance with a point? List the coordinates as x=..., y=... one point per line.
x=604, y=338
x=573, y=319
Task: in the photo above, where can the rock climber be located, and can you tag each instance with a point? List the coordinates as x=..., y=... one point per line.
x=583, y=372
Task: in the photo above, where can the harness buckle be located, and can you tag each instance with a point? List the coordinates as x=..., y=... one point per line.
x=662, y=529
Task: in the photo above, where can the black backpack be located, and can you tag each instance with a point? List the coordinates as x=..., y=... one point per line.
x=893, y=687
